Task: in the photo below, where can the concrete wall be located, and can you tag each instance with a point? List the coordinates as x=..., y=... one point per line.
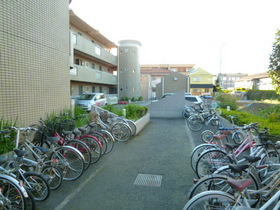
x=34, y=70
x=170, y=107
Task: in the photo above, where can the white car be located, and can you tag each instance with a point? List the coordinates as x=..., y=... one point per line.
x=86, y=100
x=193, y=99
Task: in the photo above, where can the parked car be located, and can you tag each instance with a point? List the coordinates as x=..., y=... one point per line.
x=86, y=100
x=193, y=99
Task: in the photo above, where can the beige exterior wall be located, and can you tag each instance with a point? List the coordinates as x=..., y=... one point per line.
x=34, y=70
x=129, y=69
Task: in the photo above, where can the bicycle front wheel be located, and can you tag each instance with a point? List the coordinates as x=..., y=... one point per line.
x=207, y=136
x=121, y=132
x=109, y=139
x=210, y=161
x=70, y=161
x=195, y=122
x=37, y=185
x=13, y=196
x=238, y=137
x=211, y=200
x=53, y=176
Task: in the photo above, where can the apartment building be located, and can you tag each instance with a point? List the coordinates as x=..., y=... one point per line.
x=227, y=81
x=260, y=81
x=93, y=62
x=34, y=70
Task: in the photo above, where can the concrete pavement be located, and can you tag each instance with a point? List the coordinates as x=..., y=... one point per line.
x=150, y=171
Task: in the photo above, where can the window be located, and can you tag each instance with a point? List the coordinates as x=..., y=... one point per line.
x=92, y=88
x=100, y=89
x=74, y=38
x=93, y=66
x=78, y=61
x=80, y=90
x=98, y=50
x=196, y=79
x=100, y=68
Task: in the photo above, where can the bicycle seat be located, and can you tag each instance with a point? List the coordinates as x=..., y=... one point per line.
x=83, y=130
x=239, y=185
x=251, y=159
x=43, y=150
x=238, y=168
x=52, y=140
x=231, y=146
x=20, y=153
x=221, y=136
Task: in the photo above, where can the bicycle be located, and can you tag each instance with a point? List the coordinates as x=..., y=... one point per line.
x=12, y=194
x=223, y=132
x=214, y=199
x=197, y=121
x=119, y=130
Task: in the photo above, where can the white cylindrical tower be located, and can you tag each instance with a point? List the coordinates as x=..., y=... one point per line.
x=129, y=69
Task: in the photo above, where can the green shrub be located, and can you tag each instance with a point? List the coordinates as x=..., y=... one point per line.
x=225, y=100
x=262, y=95
x=7, y=140
x=246, y=118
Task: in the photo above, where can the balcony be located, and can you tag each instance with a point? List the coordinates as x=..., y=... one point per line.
x=85, y=74
x=88, y=47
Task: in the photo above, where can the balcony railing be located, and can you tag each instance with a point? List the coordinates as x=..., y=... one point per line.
x=85, y=74
x=86, y=46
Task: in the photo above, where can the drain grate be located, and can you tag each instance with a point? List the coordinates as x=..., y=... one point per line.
x=148, y=180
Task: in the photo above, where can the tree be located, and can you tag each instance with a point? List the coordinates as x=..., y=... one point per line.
x=274, y=66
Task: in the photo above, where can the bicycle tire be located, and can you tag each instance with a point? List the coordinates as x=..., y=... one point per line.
x=84, y=149
x=37, y=185
x=270, y=158
x=30, y=201
x=70, y=161
x=102, y=140
x=53, y=176
x=195, y=122
x=238, y=137
x=133, y=127
x=14, y=195
x=207, y=136
x=198, y=150
x=109, y=139
x=211, y=200
x=210, y=161
x=121, y=132
x=211, y=182
x=94, y=145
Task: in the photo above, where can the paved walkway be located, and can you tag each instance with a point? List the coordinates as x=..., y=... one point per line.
x=150, y=171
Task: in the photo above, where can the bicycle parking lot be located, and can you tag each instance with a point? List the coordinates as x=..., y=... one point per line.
x=150, y=171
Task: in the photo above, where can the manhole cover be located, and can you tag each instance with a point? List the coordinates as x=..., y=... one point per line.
x=148, y=180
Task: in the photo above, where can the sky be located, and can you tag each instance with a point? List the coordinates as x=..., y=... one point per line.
x=220, y=36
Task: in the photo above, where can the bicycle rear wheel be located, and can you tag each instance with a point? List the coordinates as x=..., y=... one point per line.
x=37, y=185
x=102, y=140
x=211, y=200
x=95, y=147
x=207, y=136
x=84, y=149
x=109, y=139
x=121, y=132
x=70, y=161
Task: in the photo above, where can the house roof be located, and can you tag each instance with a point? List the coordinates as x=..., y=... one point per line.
x=255, y=76
x=155, y=71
